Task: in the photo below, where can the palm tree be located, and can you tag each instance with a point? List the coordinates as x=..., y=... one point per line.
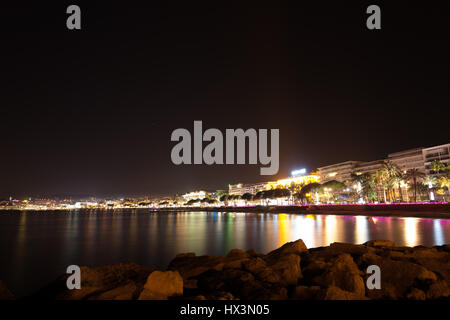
x=430, y=181
x=444, y=182
x=335, y=187
x=393, y=175
x=309, y=188
x=247, y=197
x=380, y=179
x=413, y=175
x=437, y=166
x=397, y=180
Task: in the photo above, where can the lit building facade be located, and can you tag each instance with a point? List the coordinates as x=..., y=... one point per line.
x=408, y=159
x=440, y=153
x=418, y=158
x=339, y=171
x=195, y=195
x=301, y=180
x=240, y=188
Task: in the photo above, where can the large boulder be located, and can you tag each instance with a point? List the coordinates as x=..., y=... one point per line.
x=305, y=293
x=161, y=285
x=343, y=273
x=379, y=243
x=287, y=266
x=296, y=247
x=128, y=291
x=258, y=267
x=241, y=284
x=399, y=277
x=190, y=266
x=237, y=254
x=336, y=293
x=98, y=280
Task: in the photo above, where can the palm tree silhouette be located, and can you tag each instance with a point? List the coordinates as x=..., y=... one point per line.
x=413, y=175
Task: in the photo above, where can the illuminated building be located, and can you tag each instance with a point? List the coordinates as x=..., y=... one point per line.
x=408, y=159
x=195, y=195
x=240, y=188
x=418, y=158
x=301, y=180
x=440, y=153
x=339, y=171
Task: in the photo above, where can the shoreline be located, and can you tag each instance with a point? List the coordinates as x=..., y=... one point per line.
x=431, y=211
x=400, y=210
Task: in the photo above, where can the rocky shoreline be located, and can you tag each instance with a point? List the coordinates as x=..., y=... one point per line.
x=335, y=272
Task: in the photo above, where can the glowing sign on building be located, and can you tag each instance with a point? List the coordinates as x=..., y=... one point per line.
x=298, y=172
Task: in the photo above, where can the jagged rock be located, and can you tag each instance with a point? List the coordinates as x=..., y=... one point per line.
x=379, y=243
x=253, y=265
x=342, y=272
x=190, y=284
x=312, y=267
x=416, y=294
x=335, y=293
x=437, y=289
x=296, y=247
x=95, y=281
x=190, y=266
x=221, y=295
x=337, y=248
x=241, y=284
x=435, y=260
x=335, y=272
x=5, y=294
x=267, y=275
x=445, y=247
x=287, y=267
x=305, y=293
x=397, y=277
x=234, y=264
x=126, y=292
x=161, y=285
x=237, y=254
x=259, y=269
x=252, y=253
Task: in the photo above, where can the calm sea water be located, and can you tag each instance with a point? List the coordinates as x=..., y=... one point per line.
x=36, y=247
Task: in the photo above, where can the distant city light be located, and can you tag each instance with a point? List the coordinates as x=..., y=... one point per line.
x=298, y=172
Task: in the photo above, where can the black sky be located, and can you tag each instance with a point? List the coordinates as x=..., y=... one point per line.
x=91, y=112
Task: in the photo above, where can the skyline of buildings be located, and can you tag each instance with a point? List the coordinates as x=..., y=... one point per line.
x=416, y=158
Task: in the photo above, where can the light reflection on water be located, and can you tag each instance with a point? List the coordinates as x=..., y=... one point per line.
x=36, y=247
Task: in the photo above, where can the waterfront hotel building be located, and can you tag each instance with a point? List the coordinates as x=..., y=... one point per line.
x=241, y=188
x=417, y=158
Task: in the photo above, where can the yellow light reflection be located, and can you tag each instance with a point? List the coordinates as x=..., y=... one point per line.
x=304, y=229
x=411, y=231
x=437, y=231
x=330, y=229
x=284, y=230
x=361, y=229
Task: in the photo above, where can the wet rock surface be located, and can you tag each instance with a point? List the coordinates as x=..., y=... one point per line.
x=335, y=272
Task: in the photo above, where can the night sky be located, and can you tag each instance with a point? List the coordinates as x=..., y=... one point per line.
x=91, y=112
